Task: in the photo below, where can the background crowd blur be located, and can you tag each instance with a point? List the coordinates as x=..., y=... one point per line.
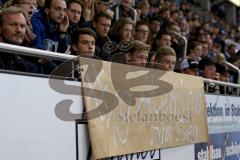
x=193, y=37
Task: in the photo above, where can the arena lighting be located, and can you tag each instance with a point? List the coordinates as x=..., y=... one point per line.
x=236, y=2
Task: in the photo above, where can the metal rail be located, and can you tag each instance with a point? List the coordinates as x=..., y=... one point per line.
x=9, y=48
x=235, y=68
x=221, y=83
x=184, y=39
x=60, y=56
x=209, y=82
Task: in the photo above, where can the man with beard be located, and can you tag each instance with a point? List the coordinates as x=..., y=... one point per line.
x=74, y=12
x=50, y=25
x=12, y=30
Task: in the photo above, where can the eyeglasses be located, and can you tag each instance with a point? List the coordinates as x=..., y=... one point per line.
x=142, y=31
x=75, y=11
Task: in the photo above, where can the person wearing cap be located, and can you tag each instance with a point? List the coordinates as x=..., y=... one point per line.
x=165, y=59
x=137, y=55
x=189, y=66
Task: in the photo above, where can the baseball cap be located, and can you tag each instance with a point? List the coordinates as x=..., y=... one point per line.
x=189, y=63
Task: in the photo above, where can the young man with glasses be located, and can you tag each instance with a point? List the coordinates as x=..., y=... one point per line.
x=142, y=31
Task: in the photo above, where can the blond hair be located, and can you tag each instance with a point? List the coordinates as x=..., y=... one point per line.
x=163, y=52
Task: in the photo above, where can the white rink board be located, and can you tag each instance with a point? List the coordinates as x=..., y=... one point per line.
x=29, y=128
x=178, y=153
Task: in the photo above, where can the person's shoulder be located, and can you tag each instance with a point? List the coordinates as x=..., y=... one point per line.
x=38, y=17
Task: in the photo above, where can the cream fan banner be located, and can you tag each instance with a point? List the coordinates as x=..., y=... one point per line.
x=132, y=109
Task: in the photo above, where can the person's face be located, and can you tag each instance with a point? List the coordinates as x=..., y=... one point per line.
x=57, y=10
x=74, y=12
x=225, y=77
x=216, y=49
x=28, y=6
x=145, y=10
x=138, y=58
x=155, y=26
x=196, y=23
x=127, y=3
x=197, y=52
x=204, y=49
x=142, y=33
x=166, y=15
x=126, y=33
x=175, y=16
x=166, y=63
x=209, y=72
x=13, y=28
x=165, y=40
x=233, y=51
x=102, y=26
x=85, y=45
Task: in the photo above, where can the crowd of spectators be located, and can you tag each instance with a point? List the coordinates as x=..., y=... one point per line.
x=147, y=34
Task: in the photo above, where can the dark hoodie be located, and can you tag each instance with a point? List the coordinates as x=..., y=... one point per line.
x=47, y=34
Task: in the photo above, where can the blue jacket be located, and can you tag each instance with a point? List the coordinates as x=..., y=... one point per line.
x=47, y=32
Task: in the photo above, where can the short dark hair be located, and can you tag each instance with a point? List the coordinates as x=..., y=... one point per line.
x=11, y=10
x=161, y=33
x=154, y=18
x=206, y=61
x=47, y=3
x=101, y=14
x=69, y=2
x=141, y=23
x=76, y=34
x=192, y=45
